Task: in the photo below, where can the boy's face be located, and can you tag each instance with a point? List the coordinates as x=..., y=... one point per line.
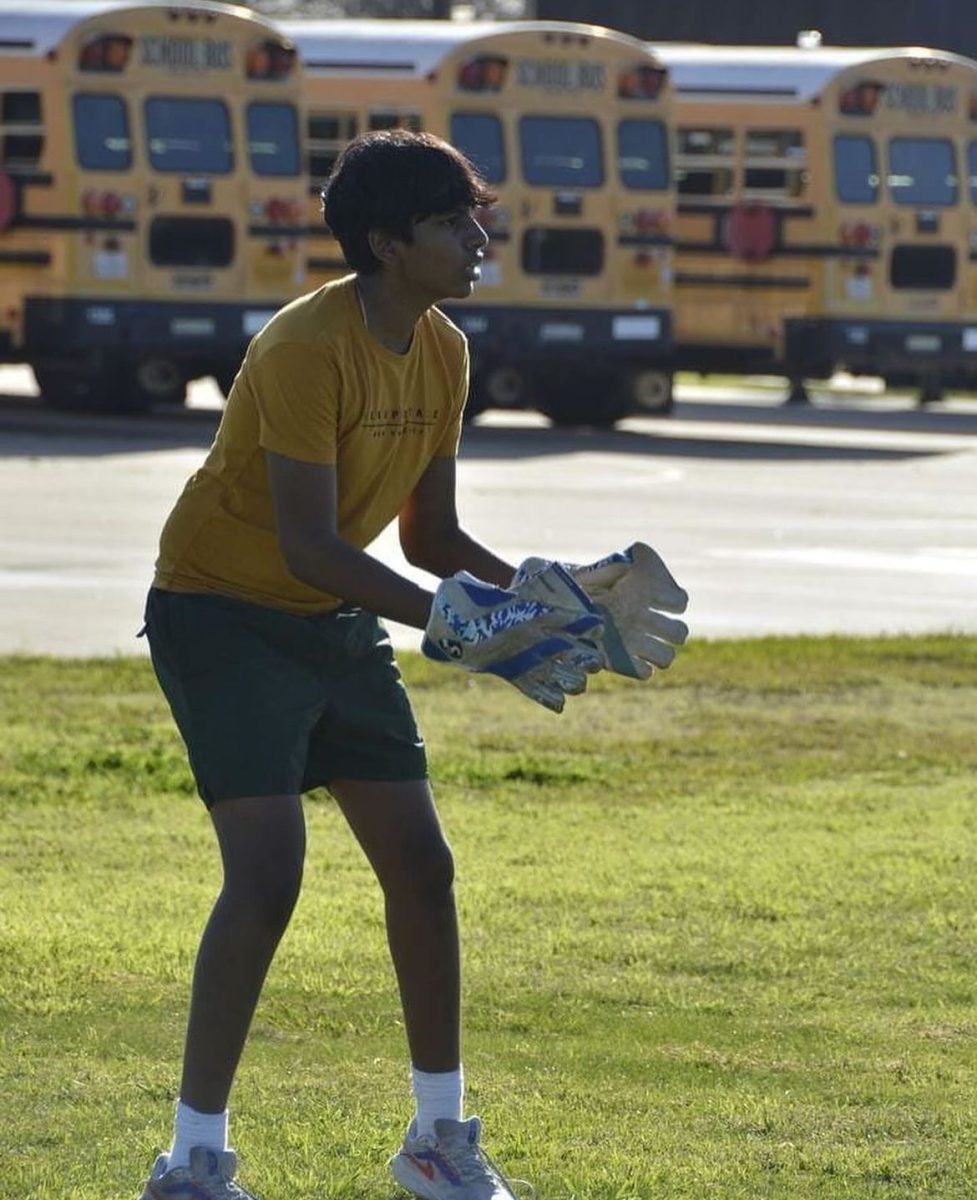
x=444, y=258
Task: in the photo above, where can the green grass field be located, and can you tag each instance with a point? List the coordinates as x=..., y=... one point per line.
x=719, y=935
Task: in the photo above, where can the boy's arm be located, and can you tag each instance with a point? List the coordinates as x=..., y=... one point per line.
x=432, y=538
x=304, y=500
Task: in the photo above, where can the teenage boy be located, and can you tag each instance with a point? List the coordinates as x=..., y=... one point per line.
x=262, y=622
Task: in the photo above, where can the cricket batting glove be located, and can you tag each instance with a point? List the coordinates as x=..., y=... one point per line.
x=633, y=591
x=487, y=629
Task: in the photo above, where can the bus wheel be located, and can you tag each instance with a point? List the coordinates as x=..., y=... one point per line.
x=579, y=395
x=72, y=389
x=155, y=381
x=899, y=383
x=797, y=392
x=224, y=378
x=651, y=392
x=930, y=391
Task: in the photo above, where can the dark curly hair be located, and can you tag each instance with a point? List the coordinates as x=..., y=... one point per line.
x=390, y=180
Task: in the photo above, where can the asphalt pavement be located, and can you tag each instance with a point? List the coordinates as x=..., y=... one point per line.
x=856, y=514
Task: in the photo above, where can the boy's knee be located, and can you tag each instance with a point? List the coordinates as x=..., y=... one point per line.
x=269, y=894
x=425, y=871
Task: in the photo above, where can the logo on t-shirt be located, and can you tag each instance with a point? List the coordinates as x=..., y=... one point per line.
x=399, y=422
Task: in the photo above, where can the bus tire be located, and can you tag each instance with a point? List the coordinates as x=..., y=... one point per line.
x=797, y=393
x=930, y=391
x=652, y=393
x=224, y=378
x=76, y=390
x=477, y=401
x=155, y=380
x=578, y=395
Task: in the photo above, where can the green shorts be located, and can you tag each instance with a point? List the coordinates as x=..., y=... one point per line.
x=270, y=703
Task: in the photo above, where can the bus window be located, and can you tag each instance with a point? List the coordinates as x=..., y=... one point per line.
x=328, y=134
x=273, y=143
x=561, y=151
x=642, y=154
x=856, y=173
x=21, y=135
x=922, y=171
x=774, y=143
x=972, y=170
x=390, y=118
x=189, y=135
x=479, y=137
x=102, y=132
x=695, y=174
x=774, y=164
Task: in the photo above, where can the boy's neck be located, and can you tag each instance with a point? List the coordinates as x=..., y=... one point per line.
x=389, y=312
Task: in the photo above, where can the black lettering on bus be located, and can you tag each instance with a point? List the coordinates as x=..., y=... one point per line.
x=185, y=54
x=560, y=75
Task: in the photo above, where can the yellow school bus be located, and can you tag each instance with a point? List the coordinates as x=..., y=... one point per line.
x=570, y=125
x=825, y=219
x=152, y=194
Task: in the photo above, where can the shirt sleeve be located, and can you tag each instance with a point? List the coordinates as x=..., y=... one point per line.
x=450, y=440
x=297, y=394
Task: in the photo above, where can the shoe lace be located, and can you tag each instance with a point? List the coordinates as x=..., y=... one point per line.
x=223, y=1188
x=474, y=1166
x=227, y=1189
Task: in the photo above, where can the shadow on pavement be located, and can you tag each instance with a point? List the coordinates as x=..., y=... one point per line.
x=27, y=430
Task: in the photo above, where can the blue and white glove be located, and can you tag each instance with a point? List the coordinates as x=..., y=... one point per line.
x=566, y=673
x=633, y=590
x=487, y=629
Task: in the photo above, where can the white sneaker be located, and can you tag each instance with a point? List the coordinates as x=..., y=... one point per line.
x=450, y=1166
x=210, y=1176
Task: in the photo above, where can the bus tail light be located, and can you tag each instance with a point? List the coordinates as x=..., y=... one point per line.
x=269, y=60
x=643, y=258
x=647, y=220
x=105, y=204
x=282, y=211
x=860, y=235
x=108, y=53
x=486, y=73
x=642, y=82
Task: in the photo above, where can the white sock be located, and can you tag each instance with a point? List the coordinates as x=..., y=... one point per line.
x=192, y=1128
x=437, y=1094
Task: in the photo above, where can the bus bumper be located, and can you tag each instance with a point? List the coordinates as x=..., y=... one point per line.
x=65, y=332
x=916, y=349
x=529, y=335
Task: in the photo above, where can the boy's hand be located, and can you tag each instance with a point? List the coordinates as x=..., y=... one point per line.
x=483, y=628
x=633, y=590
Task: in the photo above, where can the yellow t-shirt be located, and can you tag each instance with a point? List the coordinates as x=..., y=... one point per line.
x=315, y=385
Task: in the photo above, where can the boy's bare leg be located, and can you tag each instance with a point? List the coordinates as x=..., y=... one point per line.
x=397, y=826
x=262, y=843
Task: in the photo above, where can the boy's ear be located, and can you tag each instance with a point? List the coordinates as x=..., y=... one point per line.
x=385, y=246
